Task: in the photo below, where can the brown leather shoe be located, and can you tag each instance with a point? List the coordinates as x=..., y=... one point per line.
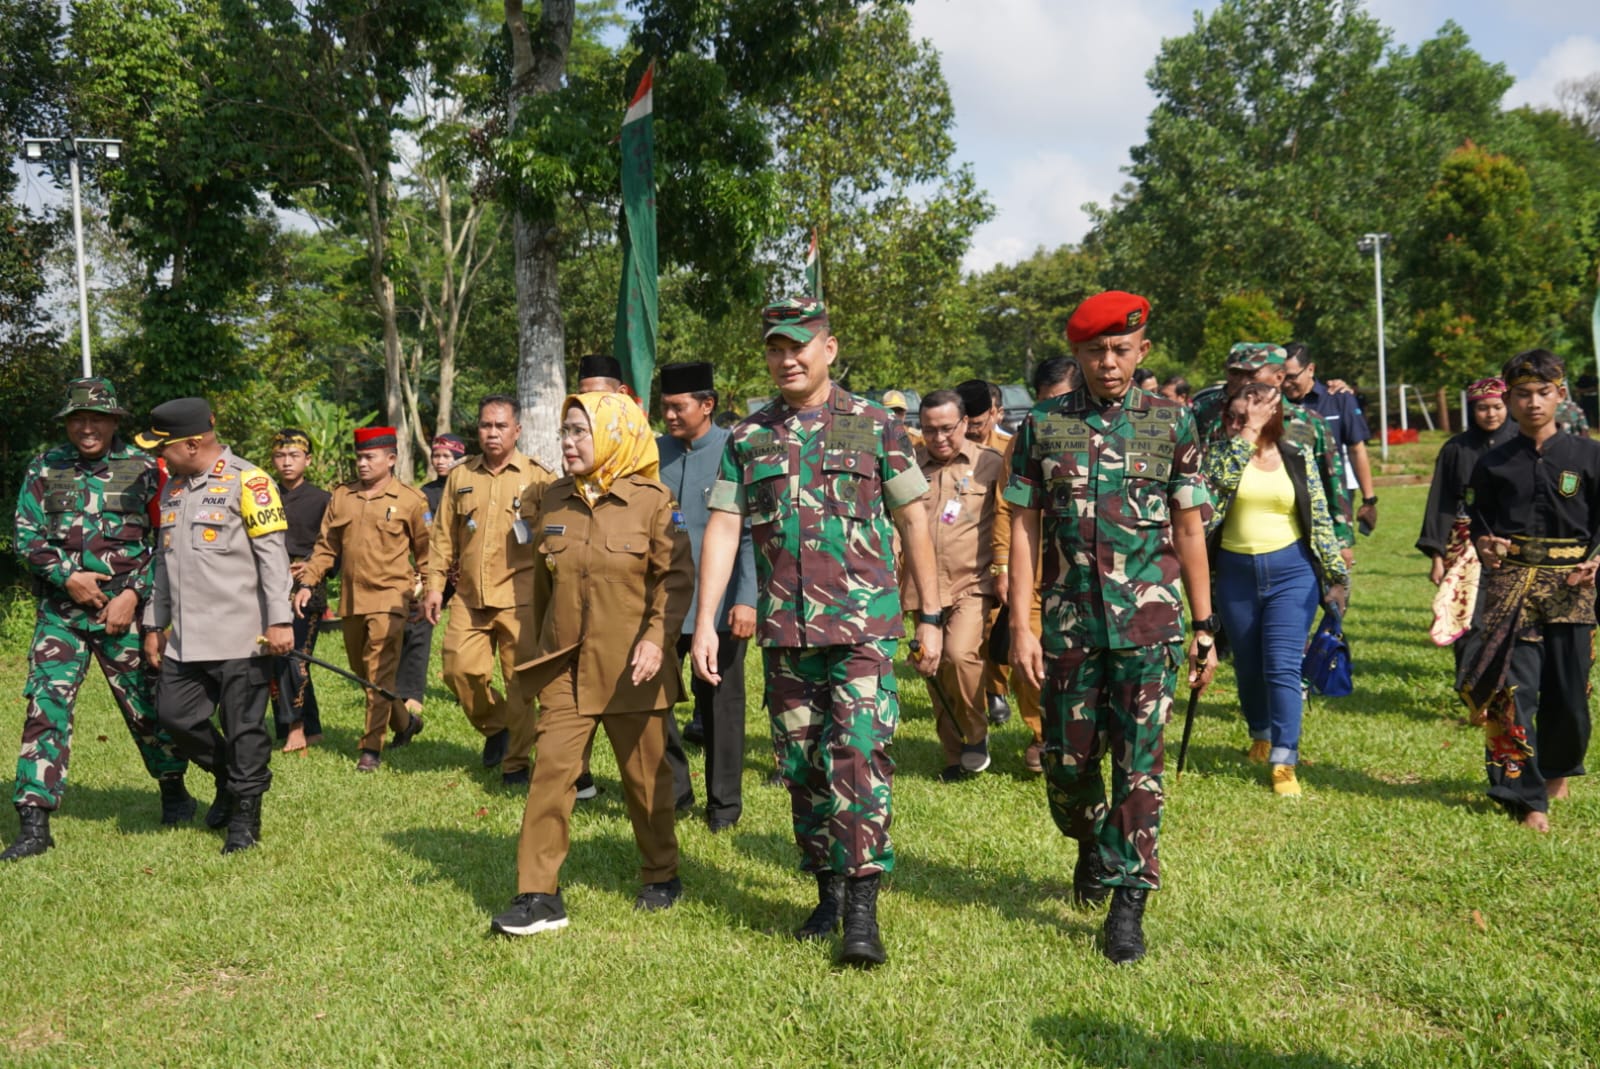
x=412, y=730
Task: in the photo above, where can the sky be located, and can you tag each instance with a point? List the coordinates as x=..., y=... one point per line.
x=1050, y=95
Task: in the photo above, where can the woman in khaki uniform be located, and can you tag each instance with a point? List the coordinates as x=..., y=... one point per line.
x=613, y=580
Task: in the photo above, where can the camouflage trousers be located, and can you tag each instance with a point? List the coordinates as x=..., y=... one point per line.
x=1116, y=701
x=834, y=710
x=58, y=662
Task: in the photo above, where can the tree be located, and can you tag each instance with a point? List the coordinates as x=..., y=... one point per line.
x=1237, y=317
x=1022, y=310
x=1283, y=130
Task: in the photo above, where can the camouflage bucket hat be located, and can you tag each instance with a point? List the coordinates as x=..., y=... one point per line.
x=91, y=395
x=1254, y=355
x=799, y=318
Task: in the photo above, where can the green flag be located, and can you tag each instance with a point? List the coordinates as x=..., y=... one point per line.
x=637, y=296
x=814, y=269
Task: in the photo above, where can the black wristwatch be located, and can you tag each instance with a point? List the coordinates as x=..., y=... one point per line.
x=930, y=618
x=1369, y=501
x=1208, y=624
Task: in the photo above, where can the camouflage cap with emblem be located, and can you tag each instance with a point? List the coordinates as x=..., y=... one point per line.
x=797, y=318
x=1255, y=355
x=91, y=395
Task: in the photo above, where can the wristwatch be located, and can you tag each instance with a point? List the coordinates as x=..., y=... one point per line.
x=997, y=569
x=1208, y=624
x=1369, y=500
x=930, y=618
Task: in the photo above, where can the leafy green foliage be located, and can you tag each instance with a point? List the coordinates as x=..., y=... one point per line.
x=1236, y=318
x=1022, y=311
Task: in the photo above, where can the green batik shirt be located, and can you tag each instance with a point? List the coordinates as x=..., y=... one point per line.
x=88, y=515
x=817, y=487
x=1107, y=480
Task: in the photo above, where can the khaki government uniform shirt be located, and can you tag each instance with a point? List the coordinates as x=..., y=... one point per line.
x=961, y=515
x=476, y=528
x=376, y=538
x=606, y=577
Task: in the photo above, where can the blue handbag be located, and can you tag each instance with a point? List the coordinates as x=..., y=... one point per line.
x=1326, y=668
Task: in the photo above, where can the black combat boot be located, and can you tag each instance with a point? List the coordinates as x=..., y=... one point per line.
x=861, y=945
x=1087, y=874
x=34, y=836
x=824, y=920
x=1124, y=931
x=177, y=806
x=221, y=807
x=244, y=827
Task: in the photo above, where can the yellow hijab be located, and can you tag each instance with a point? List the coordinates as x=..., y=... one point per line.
x=623, y=442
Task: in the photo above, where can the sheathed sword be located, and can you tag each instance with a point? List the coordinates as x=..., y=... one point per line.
x=302, y=655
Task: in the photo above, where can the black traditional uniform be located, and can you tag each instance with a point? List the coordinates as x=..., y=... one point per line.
x=295, y=697
x=1527, y=664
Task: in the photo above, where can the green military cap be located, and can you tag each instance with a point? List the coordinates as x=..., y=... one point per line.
x=91, y=395
x=1255, y=355
x=799, y=318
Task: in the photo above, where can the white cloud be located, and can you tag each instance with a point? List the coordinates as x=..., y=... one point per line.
x=1574, y=57
x=1041, y=198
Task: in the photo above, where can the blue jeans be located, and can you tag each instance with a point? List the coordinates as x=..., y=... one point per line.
x=1266, y=603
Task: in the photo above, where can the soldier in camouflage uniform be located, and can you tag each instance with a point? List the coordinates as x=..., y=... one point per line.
x=816, y=472
x=1252, y=361
x=83, y=531
x=1105, y=482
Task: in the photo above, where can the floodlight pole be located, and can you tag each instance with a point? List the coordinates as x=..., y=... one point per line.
x=34, y=150
x=1373, y=243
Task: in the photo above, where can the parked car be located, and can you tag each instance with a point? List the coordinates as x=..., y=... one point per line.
x=1016, y=400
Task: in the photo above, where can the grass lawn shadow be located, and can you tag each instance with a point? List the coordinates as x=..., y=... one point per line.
x=1085, y=1039
x=133, y=811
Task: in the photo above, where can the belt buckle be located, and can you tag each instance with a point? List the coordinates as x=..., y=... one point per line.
x=1534, y=552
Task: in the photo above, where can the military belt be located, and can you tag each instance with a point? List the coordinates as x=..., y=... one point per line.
x=1546, y=552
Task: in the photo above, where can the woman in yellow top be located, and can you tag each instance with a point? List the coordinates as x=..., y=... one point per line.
x=1274, y=558
x=612, y=582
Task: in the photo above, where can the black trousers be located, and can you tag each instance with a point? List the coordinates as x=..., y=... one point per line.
x=296, y=697
x=1552, y=710
x=720, y=710
x=411, y=683
x=235, y=691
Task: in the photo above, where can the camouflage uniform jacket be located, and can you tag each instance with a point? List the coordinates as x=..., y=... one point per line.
x=817, y=487
x=1300, y=426
x=222, y=571
x=1107, y=481
x=1224, y=467
x=75, y=514
x=1570, y=417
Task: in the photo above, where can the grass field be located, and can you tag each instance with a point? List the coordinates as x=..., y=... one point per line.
x=1390, y=917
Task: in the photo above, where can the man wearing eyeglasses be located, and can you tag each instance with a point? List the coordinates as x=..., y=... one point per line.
x=1346, y=426
x=479, y=538
x=963, y=480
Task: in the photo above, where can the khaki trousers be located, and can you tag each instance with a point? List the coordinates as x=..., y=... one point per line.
x=372, y=645
x=961, y=676
x=640, y=743
x=473, y=640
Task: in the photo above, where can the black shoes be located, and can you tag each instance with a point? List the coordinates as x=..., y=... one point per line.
x=34, y=837
x=520, y=778
x=244, y=826
x=862, y=945
x=694, y=732
x=824, y=920
x=529, y=913
x=368, y=761
x=412, y=730
x=221, y=807
x=1088, y=875
x=587, y=791
x=494, y=747
x=177, y=806
x=654, y=897
x=720, y=824
x=1124, y=930
x=999, y=709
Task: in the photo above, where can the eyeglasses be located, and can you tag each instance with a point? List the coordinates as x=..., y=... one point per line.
x=573, y=433
x=929, y=431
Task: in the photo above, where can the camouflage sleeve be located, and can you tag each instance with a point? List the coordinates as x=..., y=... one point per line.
x=727, y=493
x=903, y=481
x=1187, y=488
x=1223, y=468
x=43, y=559
x=142, y=580
x=1334, y=492
x=1323, y=542
x=1022, y=488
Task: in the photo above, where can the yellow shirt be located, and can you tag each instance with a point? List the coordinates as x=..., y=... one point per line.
x=1262, y=518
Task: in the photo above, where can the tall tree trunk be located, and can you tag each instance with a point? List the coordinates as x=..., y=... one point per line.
x=394, y=402
x=537, y=64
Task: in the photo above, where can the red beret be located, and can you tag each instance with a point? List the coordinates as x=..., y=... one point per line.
x=1112, y=312
x=375, y=438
